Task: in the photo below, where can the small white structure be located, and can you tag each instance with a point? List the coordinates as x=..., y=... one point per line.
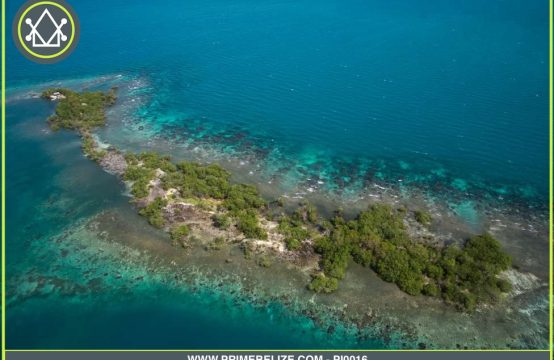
x=57, y=96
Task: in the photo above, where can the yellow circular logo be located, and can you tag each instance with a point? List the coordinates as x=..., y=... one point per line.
x=46, y=31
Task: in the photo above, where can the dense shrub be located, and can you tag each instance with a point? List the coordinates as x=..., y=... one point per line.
x=423, y=217
x=293, y=244
x=134, y=173
x=431, y=289
x=152, y=160
x=139, y=189
x=504, y=285
x=140, y=176
x=90, y=149
x=377, y=238
x=487, y=253
x=180, y=232
x=153, y=212
x=247, y=223
x=306, y=213
x=243, y=197
x=323, y=284
x=294, y=231
x=80, y=111
x=221, y=221
x=195, y=180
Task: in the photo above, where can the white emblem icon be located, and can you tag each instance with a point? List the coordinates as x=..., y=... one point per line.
x=55, y=39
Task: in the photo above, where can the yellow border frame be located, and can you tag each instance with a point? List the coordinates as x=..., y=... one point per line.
x=3, y=207
x=3, y=178
x=59, y=52
x=550, y=176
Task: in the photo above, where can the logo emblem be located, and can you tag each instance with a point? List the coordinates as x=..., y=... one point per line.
x=46, y=31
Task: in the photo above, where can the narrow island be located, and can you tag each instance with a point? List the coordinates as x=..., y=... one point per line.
x=187, y=198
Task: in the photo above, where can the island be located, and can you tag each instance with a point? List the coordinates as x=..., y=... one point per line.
x=186, y=199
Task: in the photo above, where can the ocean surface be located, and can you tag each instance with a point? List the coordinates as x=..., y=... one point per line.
x=448, y=99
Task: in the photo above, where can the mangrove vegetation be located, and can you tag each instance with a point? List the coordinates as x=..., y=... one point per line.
x=377, y=238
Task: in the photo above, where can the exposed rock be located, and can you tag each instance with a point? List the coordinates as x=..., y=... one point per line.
x=521, y=282
x=114, y=163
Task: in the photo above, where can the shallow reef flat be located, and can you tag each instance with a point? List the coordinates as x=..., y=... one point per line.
x=114, y=253
x=114, y=257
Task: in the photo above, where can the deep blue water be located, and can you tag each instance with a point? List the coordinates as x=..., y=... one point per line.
x=463, y=83
x=350, y=92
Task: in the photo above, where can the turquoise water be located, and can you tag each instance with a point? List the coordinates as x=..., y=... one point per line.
x=66, y=290
x=336, y=87
x=336, y=96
